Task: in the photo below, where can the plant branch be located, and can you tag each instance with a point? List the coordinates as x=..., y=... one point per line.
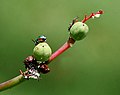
x=10, y=83
x=19, y=79
x=63, y=48
x=92, y=15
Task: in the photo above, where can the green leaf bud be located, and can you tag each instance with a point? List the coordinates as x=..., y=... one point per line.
x=79, y=31
x=42, y=52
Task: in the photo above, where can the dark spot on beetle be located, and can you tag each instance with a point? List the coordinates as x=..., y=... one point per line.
x=42, y=46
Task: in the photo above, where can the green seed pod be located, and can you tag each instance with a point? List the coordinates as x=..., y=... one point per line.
x=79, y=31
x=42, y=52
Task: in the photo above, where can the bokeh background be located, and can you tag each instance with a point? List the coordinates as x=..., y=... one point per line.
x=90, y=67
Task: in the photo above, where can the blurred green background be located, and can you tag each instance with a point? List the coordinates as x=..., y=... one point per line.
x=90, y=67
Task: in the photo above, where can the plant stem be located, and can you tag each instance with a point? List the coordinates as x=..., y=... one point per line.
x=63, y=48
x=19, y=79
x=92, y=15
x=10, y=83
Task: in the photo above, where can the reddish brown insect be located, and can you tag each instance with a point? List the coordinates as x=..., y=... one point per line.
x=34, y=68
x=43, y=68
x=30, y=62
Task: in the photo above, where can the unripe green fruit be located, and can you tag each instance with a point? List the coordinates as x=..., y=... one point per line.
x=42, y=52
x=79, y=31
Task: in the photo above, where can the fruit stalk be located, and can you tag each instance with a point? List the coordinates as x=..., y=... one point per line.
x=63, y=48
x=10, y=83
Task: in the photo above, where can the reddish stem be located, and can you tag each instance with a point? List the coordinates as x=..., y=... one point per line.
x=91, y=15
x=63, y=48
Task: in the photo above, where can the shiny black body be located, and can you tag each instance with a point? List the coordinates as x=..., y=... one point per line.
x=39, y=40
